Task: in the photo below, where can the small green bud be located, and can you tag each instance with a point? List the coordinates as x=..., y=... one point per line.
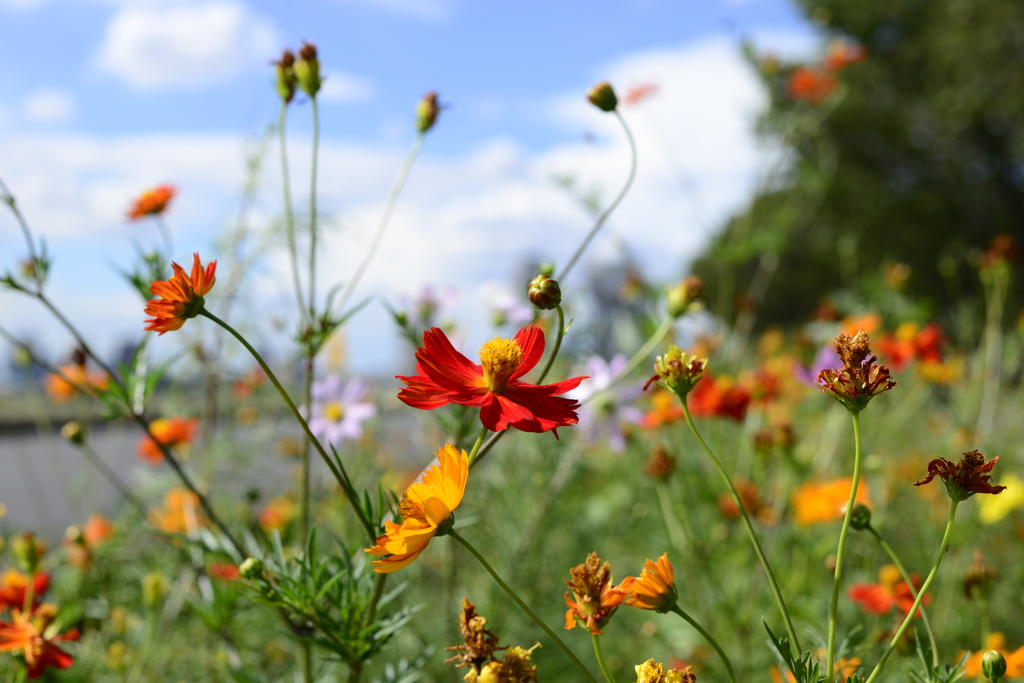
x=678, y=371
x=993, y=665
x=251, y=569
x=154, y=588
x=544, y=292
x=427, y=110
x=685, y=297
x=307, y=70
x=28, y=551
x=285, y=80
x=603, y=97
x=861, y=517
x=74, y=432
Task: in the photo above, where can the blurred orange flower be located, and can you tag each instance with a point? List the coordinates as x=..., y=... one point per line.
x=638, y=93
x=719, y=397
x=426, y=511
x=224, y=571
x=278, y=513
x=182, y=296
x=842, y=54
x=34, y=636
x=890, y=591
x=171, y=432
x=13, y=587
x=910, y=342
x=180, y=512
x=665, y=409
x=811, y=85
x=823, y=502
x=996, y=641
x=151, y=202
x=96, y=531
x=869, y=323
x=72, y=379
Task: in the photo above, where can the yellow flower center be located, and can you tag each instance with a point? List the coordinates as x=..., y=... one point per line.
x=500, y=358
x=407, y=508
x=334, y=411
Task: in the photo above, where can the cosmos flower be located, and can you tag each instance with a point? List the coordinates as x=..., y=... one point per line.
x=823, y=502
x=14, y=585
x=602, y=410
x=811, y=85
x=594, y=598
x=965, y=478
x=655, y=588
x=426, y=511
x=72, y=379
x=339, y=410
x=79, y=548
x=181, y=296
x=34, y=636
x=719, y=397
x=151, y=202
x=171, y=432
x=180, y=513
x=278, y=513
x=890, y=592
x=446, y=376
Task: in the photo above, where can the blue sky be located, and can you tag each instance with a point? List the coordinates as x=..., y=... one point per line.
x=100, y=99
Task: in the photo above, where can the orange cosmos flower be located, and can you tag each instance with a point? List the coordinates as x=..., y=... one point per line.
x=665, y=409
x=446, y=376
x=277, y=514
x=34, y=636
x=224, y=571
x=996, y=641
x=891, y=591
x=719, y=397
x=180, y=513
x=842, y=54
x=655, y=588
x=79, y=548
x=594, y=598
x=151, y=202
x=72, y=379
x=170, y=432
x=811, y=85
x=426, y=511
x=182, y=296
x=823, y=502
x=14, y=584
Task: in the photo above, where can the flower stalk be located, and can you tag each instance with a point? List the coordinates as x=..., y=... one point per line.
x=708, y=637
x=600, y=658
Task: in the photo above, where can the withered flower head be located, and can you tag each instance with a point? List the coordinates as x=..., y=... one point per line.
x=859, y=379
x=979, y=577
x=480, y=642
x=965, y=478
x=677, y=371
x=595, y=599
x=307, y=70
x=285, y=80
x=661, y=464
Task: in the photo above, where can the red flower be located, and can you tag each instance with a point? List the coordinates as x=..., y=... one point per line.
x=892, y=591
x=446, y=376
x=811, y=85
x=14, y=584
x=719, y=397
x=151, y=202
x=965, y=478
x=182, y=296
x=224, y=571
x=35, y=638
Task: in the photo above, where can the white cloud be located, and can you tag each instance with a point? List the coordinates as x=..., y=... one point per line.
x=342, y=87
x=49, y=105
x=152, y=45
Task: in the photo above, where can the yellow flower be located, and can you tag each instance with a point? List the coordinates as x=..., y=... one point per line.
x=991, y=509
x=426, y=511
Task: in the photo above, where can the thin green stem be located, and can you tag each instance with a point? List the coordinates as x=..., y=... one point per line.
x=289, y=215
x=748, y=526
x=920, y=594
x=349, y=492
x=645, y=351
x=385, y=218
x=711, y=641
x=913, y=591
x=312, y=209
x=611, y=207
x=838, y=577
x=529, y=612
x=8, y=199
x=304, y=493
x=557, y=346
x=600, y=658
x=986, y=624
x=476, y=446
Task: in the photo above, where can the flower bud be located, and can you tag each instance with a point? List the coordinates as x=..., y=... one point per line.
x=251, y=569
x=307, y=70
x=74, y=432
x=28, y=550
x=544, y=292
x=154, y=588
x=686, y=297
x=861, y=517
x=678, y=371
x=285, y=81
x=603, y=97
x=993, y=665
x=427, y=110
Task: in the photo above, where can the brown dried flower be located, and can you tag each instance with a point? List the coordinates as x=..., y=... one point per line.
x=979, y=577
x=595, y=598
x=859, y=379
x=965, y=478
x=661, y=464
x=480, y=642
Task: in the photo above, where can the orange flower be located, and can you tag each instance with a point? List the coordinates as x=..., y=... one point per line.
x=655, y=588
x=811, y=85
x=426, y=511
x=665, y=409
x=868, y=323
x=823, y=502
x=224, y=571
x=175, y=431
x=842, y=54
x=180, y=513
x=72, y=379
x=182, y=296
x=719, y=397
x=151, y=202
x=891, y=591
x=14, y=584
x=446, y=376
x=595, y=599
x=34, y=635
x=96, y=531
x=910, y=342
x=996, y=641
x=277, y=514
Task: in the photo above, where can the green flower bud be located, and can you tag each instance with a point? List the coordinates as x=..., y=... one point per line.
x=251, y=569
x=427, y=110
x=74, y=432
x=544, y=292
x=154, y=588
x=861, y=517
x=285, y=81
x=603, y=97
x=993, y=665
x=685, y=297
x=307, y=70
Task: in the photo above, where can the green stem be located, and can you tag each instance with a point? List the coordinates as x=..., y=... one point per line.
x=385, y=218
x=913, y=591
x=748, y=526
x=645, y=351
x=920, y=594
x=557, y=346
x=312, y=210
x=611, y=207
x=289, y=216
x=476, y=446
x=986, y=624
x=7, y=198
x=600, y=658
x=711, y=641
x=349, y=492
x=512, y=594
x=838, y=577
x=304, y=493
